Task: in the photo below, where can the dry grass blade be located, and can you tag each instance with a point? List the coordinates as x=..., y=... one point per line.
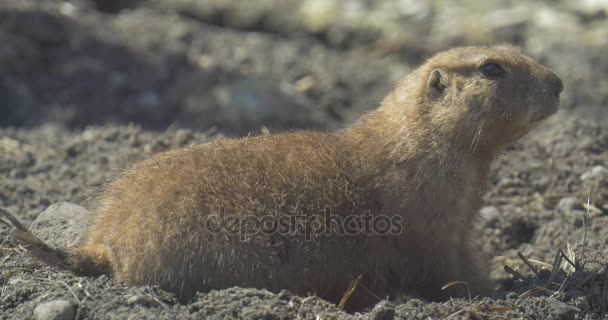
x=585, y=223
x=542, y=263
x=500, y=309
x=568, y=260
x=453, y=283
x=528, y=263
x=535, y=291
x=592, y=209
x=70, y=291
x=456, y=313
x=12, y=221
x=605, y=293
x=349, y=292
x=514, y=273
x=557, y=262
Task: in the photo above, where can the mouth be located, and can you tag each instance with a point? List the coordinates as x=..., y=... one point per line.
x=545, y=112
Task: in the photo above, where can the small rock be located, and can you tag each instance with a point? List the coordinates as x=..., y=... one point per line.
x=246, y=104
x=568, y=204
x=67, y=9
x=62, y=224
x=590, y=7
x=54, y=310
x=142, y=300
x=318, y=15
x=561, y=310
x=489, y=213
x=597, y=172
x=384, y=310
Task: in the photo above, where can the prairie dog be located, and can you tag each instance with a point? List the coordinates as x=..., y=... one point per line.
x=391, y=197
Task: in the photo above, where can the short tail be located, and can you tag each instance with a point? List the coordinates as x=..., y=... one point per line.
x=42, y=251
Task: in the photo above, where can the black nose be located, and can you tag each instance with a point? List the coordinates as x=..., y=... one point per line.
x=556, y=83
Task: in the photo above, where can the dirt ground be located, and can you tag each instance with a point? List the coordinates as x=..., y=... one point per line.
x=88, y=87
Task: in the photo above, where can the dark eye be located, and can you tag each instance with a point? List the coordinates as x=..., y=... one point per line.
x=492, y=70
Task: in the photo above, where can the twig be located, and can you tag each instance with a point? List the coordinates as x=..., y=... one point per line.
x=5, y=259
x=78, y=310
x=514, y=273
x=562, y=286
x=86, y=293
x=70, y=290
x=349, y=292
x=542, y=263
x=557, y=262
x=13, y=222
x=528, y=263
x=535, y=291
x=453, y=283
x=585, y=217
x=568, y=260
x=298, y=315
x=605, y=294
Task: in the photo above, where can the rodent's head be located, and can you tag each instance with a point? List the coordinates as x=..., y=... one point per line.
x=484, y=96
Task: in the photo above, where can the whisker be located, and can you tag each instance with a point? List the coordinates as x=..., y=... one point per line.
x=476, y=138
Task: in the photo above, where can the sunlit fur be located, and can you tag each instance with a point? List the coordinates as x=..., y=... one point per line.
x=421, y=156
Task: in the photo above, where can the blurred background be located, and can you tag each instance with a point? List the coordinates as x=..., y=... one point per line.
x=236, y=67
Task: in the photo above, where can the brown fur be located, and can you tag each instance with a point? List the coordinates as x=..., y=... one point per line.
x=423, y=155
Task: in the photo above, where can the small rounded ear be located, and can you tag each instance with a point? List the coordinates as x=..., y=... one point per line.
x=437, y=82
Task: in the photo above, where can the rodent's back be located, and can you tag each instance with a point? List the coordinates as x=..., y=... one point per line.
x=154, y=218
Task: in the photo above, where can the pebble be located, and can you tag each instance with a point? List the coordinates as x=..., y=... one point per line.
x=246, y=104
x=568, y=203
x=55, y=310
x=597, y=172
x=141, y=299
x=62, y=224
x=489, y=213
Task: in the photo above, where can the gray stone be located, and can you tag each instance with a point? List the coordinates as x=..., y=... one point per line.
x=590, y=7
x=489, y=213
x=597, y=172
x=247, y=104
x=568, y=204
x=62, y=224
x=54, y=310
x=562, y=311
x=140, y=299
